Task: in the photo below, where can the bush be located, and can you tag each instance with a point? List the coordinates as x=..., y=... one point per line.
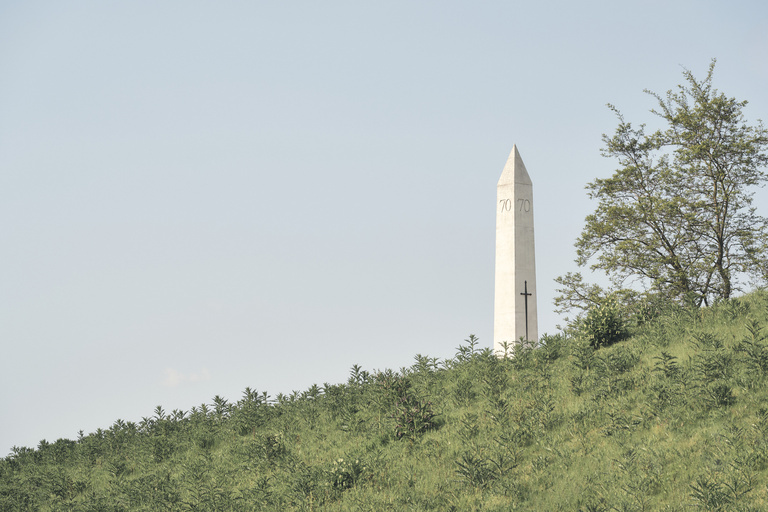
x=412, y=417
x=603, y=325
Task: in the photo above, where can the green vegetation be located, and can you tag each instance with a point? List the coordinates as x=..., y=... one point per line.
x=676, y=217
x=603, y=325
x=672, y=417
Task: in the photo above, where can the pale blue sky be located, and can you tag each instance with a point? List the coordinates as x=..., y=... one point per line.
x=196, y=197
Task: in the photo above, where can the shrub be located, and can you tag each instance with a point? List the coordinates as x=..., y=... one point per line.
x=603, y=325
x=412, y=416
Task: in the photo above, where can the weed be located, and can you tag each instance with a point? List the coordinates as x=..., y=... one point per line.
x=412, y=417
x=619, y=360
x=470, y=428
x=467, y=352
x=583, y=356
x=358, y=376
x=733, y=308
x=507, y=350
x=707, y=340
x=464, y=394
x=475, y=470
x=716, y=363
x=578, y=383
x=350, y=420
x=551, y=347
x=718, y=395
x=620, y=423
x=666, y=365
x=754, y=349
x=663, y=394
x=346, y=473
x=711, y=495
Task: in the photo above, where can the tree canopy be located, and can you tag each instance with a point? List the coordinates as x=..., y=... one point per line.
x=676, y=216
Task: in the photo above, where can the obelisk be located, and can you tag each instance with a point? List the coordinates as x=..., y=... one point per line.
x=514, y=316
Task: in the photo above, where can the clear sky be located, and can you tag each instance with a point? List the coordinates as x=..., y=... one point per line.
x=197, y=197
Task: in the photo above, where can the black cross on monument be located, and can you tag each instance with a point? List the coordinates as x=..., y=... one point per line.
x=526, y=295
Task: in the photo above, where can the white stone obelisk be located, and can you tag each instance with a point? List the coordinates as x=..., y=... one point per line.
x=515, y=294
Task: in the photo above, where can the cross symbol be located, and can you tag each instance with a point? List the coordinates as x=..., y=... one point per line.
x=526, y=295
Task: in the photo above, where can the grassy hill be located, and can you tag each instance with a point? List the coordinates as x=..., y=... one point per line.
x=673, y=418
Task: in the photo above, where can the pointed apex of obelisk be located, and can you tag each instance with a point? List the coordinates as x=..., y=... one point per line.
x=514, y=170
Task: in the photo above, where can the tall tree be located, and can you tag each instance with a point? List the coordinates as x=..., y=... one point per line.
x=677, y=214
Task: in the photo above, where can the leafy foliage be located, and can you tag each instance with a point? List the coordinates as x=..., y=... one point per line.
x=671, y=418
x=412, y=417
x=677, y=215
x=603, y=324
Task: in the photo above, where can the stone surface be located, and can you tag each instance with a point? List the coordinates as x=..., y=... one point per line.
x=515, y=257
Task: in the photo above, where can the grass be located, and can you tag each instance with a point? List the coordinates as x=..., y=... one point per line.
x=675, y=417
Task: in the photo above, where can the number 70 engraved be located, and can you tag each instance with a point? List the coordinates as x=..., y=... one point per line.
x=524, y=205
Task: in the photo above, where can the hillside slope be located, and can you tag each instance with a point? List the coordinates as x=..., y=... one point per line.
x=673, y=418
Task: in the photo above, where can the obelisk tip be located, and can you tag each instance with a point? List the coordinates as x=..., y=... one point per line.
x=514, y=169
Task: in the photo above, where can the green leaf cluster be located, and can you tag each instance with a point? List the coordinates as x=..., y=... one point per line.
x=603, y=325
